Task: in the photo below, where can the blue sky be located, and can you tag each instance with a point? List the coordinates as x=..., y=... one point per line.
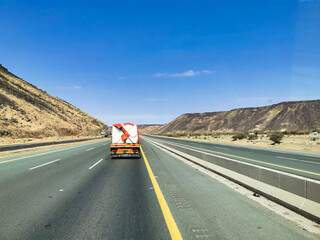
x=150, y=61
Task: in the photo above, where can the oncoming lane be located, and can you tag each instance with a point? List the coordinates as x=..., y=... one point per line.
x=298, y=164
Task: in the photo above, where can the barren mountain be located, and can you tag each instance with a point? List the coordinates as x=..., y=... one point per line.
x=148, y=128
x=285, y=116
x=26, y=111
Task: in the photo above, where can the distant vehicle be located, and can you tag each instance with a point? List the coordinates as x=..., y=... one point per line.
x=125, y=141
x=104, y=134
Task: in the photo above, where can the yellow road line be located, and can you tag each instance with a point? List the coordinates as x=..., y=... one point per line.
x=40, y=154
x=253, y=160
x=171, y=224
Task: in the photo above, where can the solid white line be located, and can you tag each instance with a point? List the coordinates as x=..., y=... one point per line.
x=299, y=160
x=105, y=144
x=95, y=164
x=288, y=158
x=44, y=164
x=90, y=149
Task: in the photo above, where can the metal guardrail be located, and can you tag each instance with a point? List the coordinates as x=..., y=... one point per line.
x=40, y=144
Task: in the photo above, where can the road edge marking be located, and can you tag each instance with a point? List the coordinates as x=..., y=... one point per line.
x=171, y=224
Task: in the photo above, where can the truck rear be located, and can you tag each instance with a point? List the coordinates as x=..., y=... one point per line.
x=125, y=141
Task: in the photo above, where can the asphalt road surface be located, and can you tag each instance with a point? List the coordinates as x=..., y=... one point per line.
x=78, y=192
x=303, y=163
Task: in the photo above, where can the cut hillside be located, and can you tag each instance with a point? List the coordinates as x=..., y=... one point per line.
x=29, y=112
x=285, y=116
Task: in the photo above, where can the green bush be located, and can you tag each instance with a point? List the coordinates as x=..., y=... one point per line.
x=294, y=132
x=276, y=138
x=252, y=137
x=239, y=136
x=217, y=135
x=176, y=135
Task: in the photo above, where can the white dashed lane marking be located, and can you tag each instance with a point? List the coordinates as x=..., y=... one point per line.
x=95, y=164
x=44, y=164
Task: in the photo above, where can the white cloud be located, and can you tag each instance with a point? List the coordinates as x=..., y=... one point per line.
x=189, y=73
x=161, y=74
x=77, y=87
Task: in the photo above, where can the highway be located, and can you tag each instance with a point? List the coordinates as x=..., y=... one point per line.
x=78, y=192
x=301, y=163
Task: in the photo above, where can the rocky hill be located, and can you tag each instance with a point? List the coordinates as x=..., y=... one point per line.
x=285, y=116
x=148, y=128
x=26, y=111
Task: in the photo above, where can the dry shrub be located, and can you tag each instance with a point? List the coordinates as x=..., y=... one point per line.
x=239, y=136
x=276, y=138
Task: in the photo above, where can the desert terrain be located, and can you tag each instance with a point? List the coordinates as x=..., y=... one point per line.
x=295, y=142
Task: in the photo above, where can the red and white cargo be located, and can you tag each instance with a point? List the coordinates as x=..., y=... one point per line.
x=125, y=140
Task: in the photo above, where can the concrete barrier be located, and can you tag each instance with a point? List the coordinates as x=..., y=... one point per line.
x=294, y=185
x=313, y=191
x=298, y=193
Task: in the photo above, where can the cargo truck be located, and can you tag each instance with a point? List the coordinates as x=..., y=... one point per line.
x=104, y=134
x=125, y=141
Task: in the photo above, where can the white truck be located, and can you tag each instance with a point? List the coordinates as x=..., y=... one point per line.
x=125, y=141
